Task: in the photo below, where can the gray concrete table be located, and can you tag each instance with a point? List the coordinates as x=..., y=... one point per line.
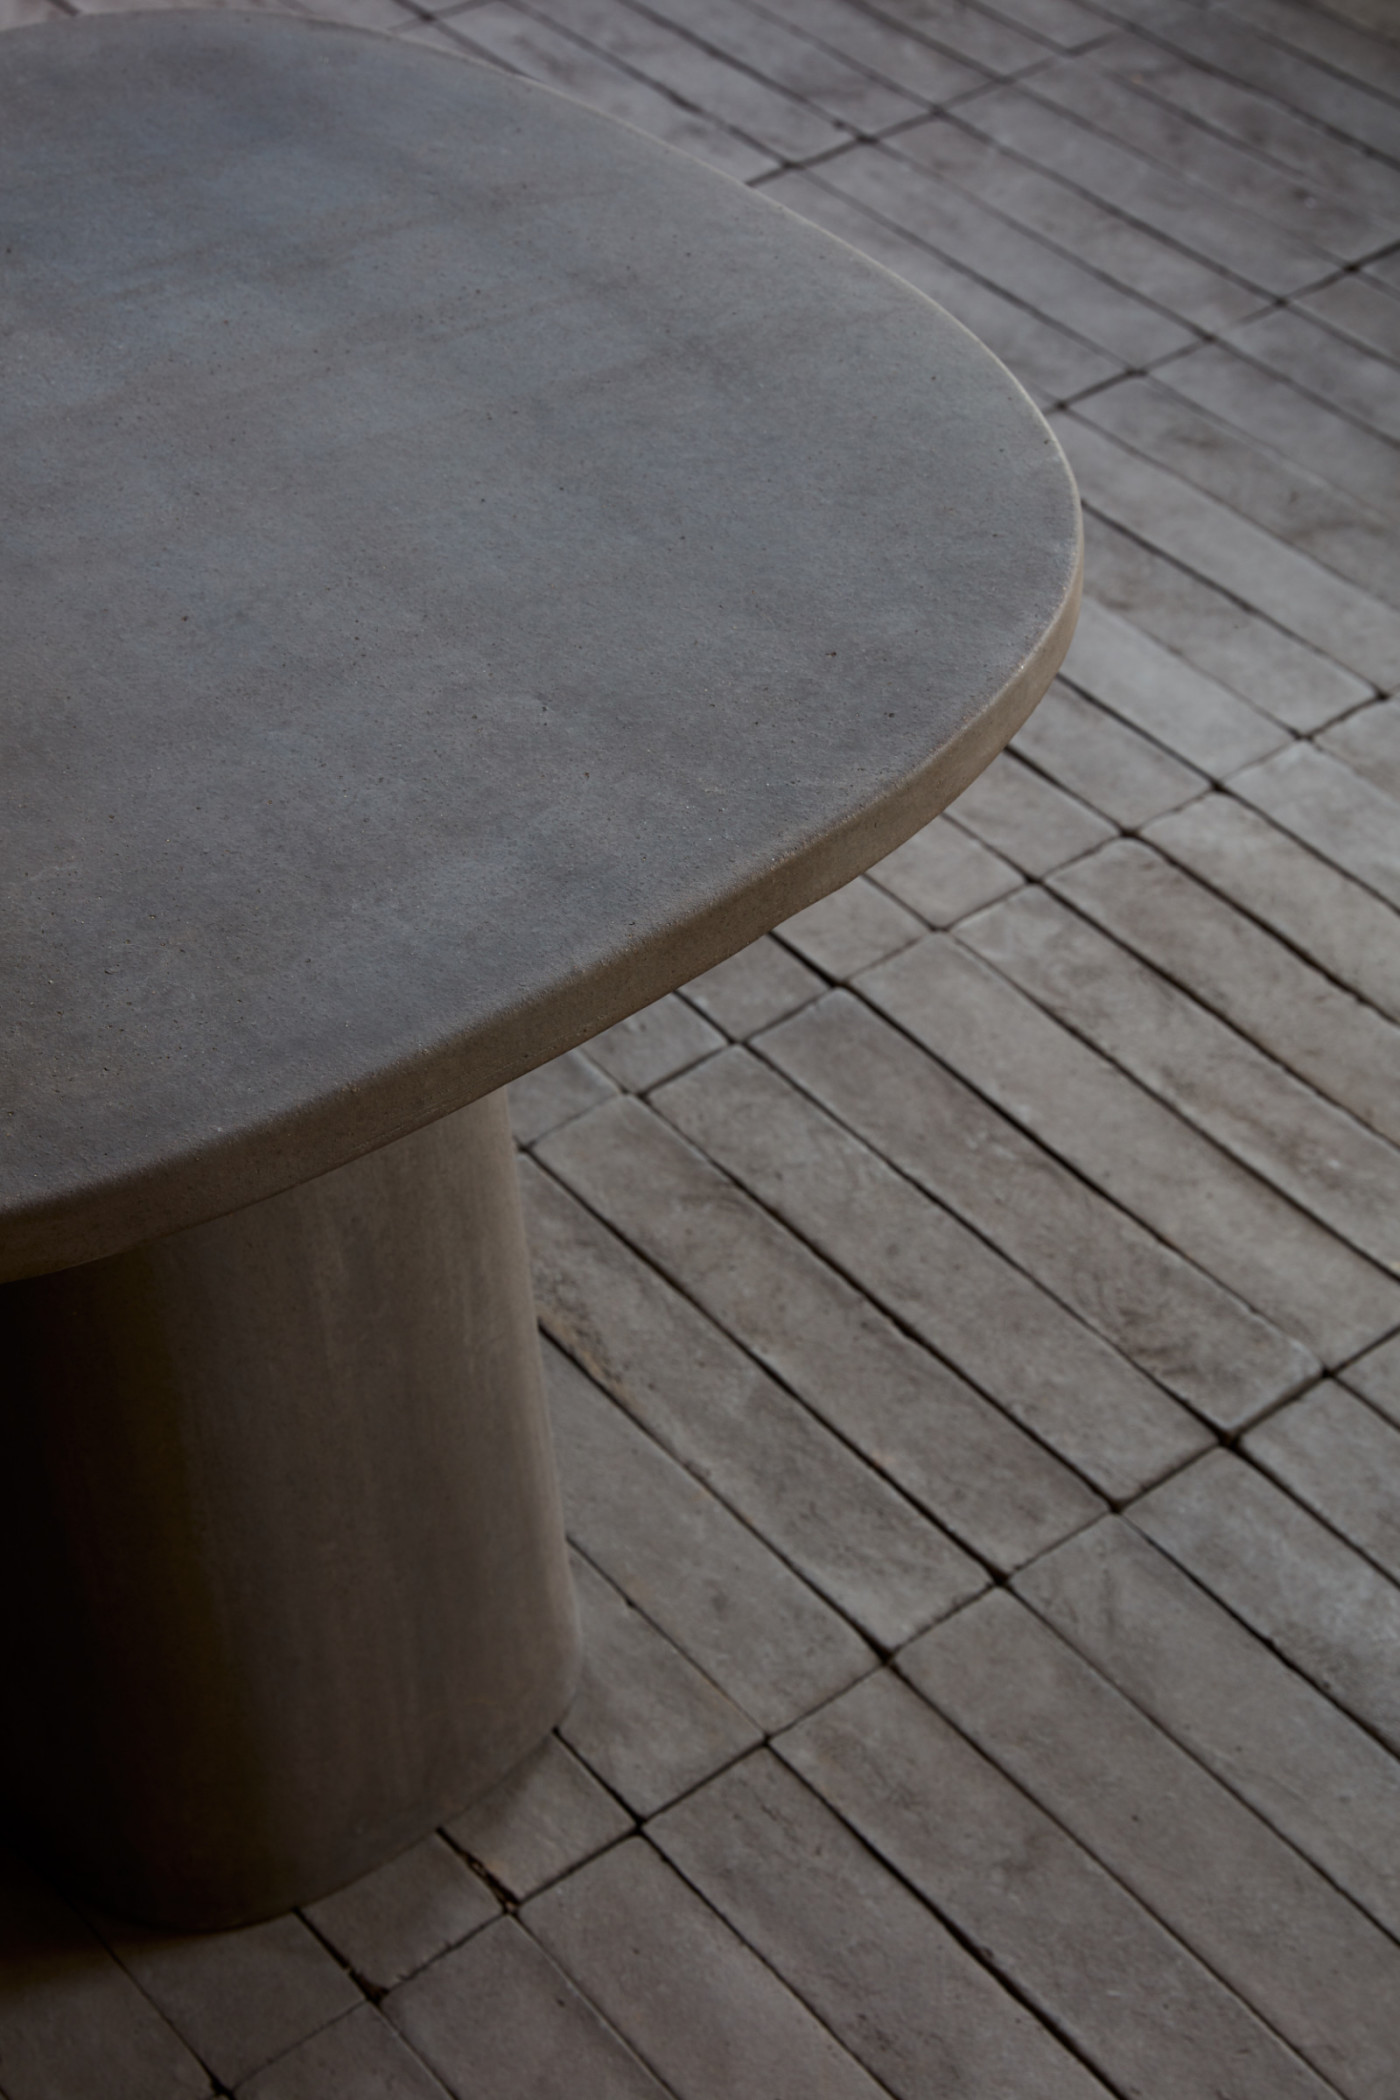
x=470, y=569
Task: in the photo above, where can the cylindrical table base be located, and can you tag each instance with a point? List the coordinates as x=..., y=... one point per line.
x=284, y=1566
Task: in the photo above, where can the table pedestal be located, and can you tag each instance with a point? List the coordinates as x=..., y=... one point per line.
x=284, y=1566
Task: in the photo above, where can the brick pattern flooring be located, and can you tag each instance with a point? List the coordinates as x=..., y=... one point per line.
x=972, y=1311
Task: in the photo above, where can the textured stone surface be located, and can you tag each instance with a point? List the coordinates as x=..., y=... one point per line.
x=546, y=1818
x=684, y=1989
x=1324, y=1783
x=451, y=826
x=1134, y=1147
x=753, y=988
x=644, y=1718
x=498, y=2017
x=239, y=1998
x=401, y=1916
x=1308, y=1961
x=836, y=1520
x=1164, y=1313
x=707, y=1581
x=1130, y=1998
x=1173, y=1710
x=357, y=2058
x=926, y=1268
x=1306, y=1591
x=885, y=1974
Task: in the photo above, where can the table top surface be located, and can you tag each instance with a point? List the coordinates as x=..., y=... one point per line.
x=471, y=568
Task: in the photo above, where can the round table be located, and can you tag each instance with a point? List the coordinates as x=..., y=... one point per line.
x=471, y=569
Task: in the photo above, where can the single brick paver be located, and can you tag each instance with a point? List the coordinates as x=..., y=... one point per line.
x=358, y=2057
x=1282, y=677
x=1105, y=762
x=1042, y=1168
x=1306, y=431
x=1330, y=919
x=1305, y=509
x=239, y=1998
x=1192, y=714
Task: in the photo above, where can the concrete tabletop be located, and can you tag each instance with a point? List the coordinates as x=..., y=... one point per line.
x=471, y=568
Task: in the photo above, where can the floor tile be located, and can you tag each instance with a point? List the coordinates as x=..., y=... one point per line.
x=762, y=114
x=840, y=1524
x=1369, y=742
x=1346, y=1175
x=1316, y=1969
x=1181, y=521
x=852, y=928
x=753, y=988
x=1069, y=218
x=690, y=1997
x=549, y=1095
x=873, y=1962
x=549, y=1816
x=498, y=2018
x=925, y=1267
x=942, y=873
x=1377, y=1375
x=1102, y=760
x=1304, y=1590
x=398, y=1918
x=1208, y=224
x=1197, y=1339
x=1342, y=375
x=1338, y=1044
x=1305, y=510
x=242, y=1998
x=644, y=1718
x=73, y=2024
x=358, y=2057
x=1347, y=931
x=1299, y=427
x=516, y=39
x=1107, y=103
x=1336, y=811
x=963, y=1459
x=1293, y=683
x=1193, y=715
x=1136, y=1149
x=1019, y=813
x=1324, y=1783
x=1342, y=1459
x=1068, y=1938
x=962, y=229
x=652, y=1045
x=710, y=1584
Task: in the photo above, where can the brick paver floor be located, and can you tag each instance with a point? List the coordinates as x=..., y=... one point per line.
x=972, y=1312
